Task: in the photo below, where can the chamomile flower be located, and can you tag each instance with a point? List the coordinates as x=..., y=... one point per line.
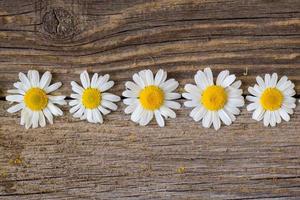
x=214, y=103
x=90, y=100
x=150, y=96
x=34, y=100
x=272, y=99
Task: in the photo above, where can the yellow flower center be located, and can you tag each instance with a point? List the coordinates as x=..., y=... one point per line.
x=36, y=99
x=214, y=98
x=151, y=97
x=271, y=99
x=91, y=98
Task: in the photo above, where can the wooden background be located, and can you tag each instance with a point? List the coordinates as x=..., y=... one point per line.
x=120, y=160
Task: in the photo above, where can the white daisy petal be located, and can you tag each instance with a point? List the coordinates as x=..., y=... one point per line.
x=252, y=106
x=24, y=80
x=94, y=81
x=42, y=121
x=136, y=115
x=129, y=109
x=207, y=120
x=146, y=118
x=35, y=79
x=53, y=87
x=15, y=98
x=85, y=79
x=258, y=114
x=267, y=80
x=102, y=80
x=132, y=86
x=284, y=114
x=138, y=80
x=281, y=81
x=188, y=96
x=76, y=96
x=232, y=109
x=172, y=104
x=160, y=77
x=23, y=116
x=289, y=92
x=167, y=112
x=15, y=91
x=109, y=104
x=222, y=75
x=103, y=110
x=238, y=102
x=35, y=119
x=198, y=113
x=267, y=117
x=84, y=115
x=236, y=84
x=201, y=80
x=60, y=100
x=54, y=109
x=170, y=85
x=28, y=119
x=20, y=87
x=129, y=101
x=224, y=117
x=16, y=108
x=230, y=114
x=272, y=119
x=191, y=103
x=142, y=75
x=45, y=80
x=252, y=98
x=172, y=96
x=216, y=120
x=76, y=88
x=209, y=76
x=106, y=86
x=111, y=97
x=253, y=91
x=79, y=112
x=75, y=108
x=277, y=116
x=130, y=94
x=260, y=82
x=97, y=116
x=193, y=89
x=228, y=80
x=149, y=77
x=159, y=119
x=48, y=115
x=89, y=116
x=273, y=80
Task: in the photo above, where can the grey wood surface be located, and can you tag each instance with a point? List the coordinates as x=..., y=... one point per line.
x=72, y=159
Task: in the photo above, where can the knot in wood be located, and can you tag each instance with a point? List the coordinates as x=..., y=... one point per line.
x=59, y=23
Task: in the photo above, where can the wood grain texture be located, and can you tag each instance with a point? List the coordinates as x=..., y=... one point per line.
x=73, y=159
x=119, y=160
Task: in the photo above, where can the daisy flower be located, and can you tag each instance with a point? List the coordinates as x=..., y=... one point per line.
x=214, y=103
x=149, y=96
x=34, y=100
x=90, y=100
x=272, y=99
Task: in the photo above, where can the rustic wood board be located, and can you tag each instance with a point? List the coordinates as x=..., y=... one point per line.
x=120, y=160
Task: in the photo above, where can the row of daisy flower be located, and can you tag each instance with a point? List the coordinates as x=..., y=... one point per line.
x=150, y=95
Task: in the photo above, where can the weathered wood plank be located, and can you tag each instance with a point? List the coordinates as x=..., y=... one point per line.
x=119, y=160
x=121, y=38
x=73, y=159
